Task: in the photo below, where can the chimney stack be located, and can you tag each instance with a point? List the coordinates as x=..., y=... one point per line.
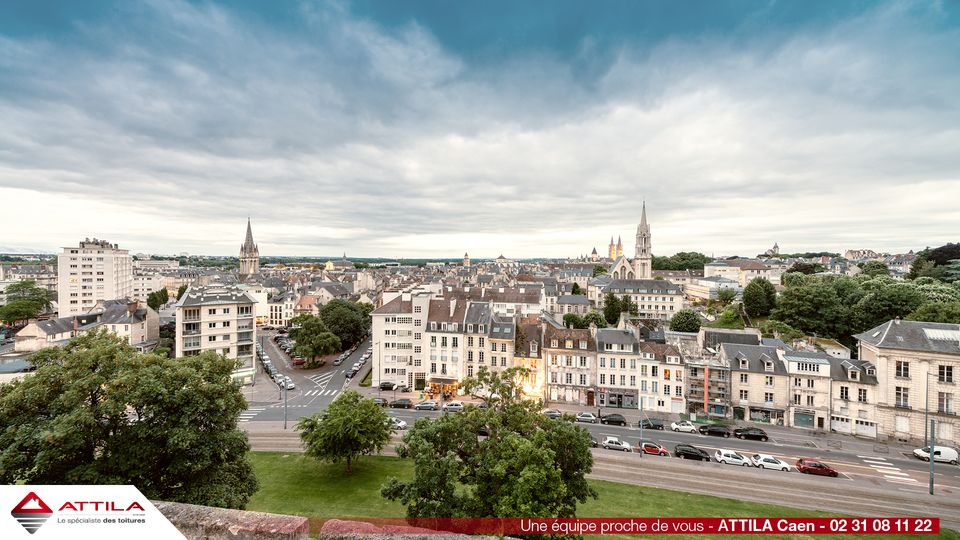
x=453, y=306
x=131, y=308
x=76, y=326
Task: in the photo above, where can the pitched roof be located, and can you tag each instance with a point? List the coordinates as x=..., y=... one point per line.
x=562, y=334
x=756, y=357
x=652, y=286
x=397, y=305
x=914, y=336
x=575, y=299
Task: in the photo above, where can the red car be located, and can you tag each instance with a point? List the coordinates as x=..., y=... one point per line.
x=298, y=361
x=652, y=448
x=812, y=466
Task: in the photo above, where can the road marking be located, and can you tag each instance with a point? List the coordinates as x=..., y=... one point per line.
x=885, y=469
x=893, y=474
x=901, y=480
x=246, y=415
x=885, y=463
x=869, y=457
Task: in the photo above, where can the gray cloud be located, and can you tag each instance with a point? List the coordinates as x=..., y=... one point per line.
x=165, y=132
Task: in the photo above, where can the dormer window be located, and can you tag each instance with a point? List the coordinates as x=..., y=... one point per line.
x=554, y=344
x=443, y=326
x=433, y=325
x=583, y=344
x=871, y=371
x=533, y=347
x=568, y=344
x=481, y=329
x=854, y=375
x=768, y=366
x=470, y=328
x=743, y=363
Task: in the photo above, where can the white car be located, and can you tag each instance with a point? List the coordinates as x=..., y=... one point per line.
x=453, y=406
x=587, y=417
x=684, y=425
x=397, y=423
x=941, y=454
x=730, y=457
x=766, y=461
x=613, y=443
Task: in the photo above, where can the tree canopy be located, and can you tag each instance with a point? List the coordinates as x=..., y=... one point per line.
x=759, y=297
x=97, y=412
x=528, y=466
x=685, y=320
x=874, y=269
x=25, y=300
x=577, y=290
x=611, y=308
x=685, y=260
x=347, y=320
x=806, y=268
x=158, y=298
x=572, y=320
x=313, y=339
x=945, y=312
x=725, y=295
x=599, y=270
x=596, y=318
x=352, y=426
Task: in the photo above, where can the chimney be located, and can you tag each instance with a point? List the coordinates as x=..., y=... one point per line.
x=76, y=326
x=131, y=308
x=622, y=324
x=453, y=306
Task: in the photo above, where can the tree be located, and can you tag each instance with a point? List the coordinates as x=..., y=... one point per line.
x=730, y=318
x=97, y=412
x=891, y=302
x=346, y=320
x=780, y=330
x=572, y=320
x=814, y=308
x=25, y=300
x=946, y=312
x=183, y=288
x=685, y=260
x=352, y=426
x=599, y=270
x=806, y=268
x=874, y=268
x=793, y=279
x=725, y=295
x=576, y=289
x=158, y=298
x=759, y=297
x=629, y=306
x=313, y=339
x=685, y=320
x=596, y=318
x=528, y=466
x=611, y=308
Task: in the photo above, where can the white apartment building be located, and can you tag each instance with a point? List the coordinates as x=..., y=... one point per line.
x=94, y=271
x=144, y=284
x=399, y=327
x=219, y=319
x=810, y=389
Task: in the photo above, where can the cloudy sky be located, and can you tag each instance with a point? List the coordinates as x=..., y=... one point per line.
x=431, y=128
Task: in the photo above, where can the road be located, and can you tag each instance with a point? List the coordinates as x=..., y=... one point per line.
x=850, y=496
x=315, y=388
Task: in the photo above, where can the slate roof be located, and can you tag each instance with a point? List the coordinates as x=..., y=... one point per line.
x=502, y=327
x=914, y=336
x=563, y=334
x=616, y=336
x=641, y=286
x=755, y=355
x=660, y=350
x=477, y=313
x=713, y=337
x=532, y=332
x=397, y=305
x=840, y=370
x=574, y=299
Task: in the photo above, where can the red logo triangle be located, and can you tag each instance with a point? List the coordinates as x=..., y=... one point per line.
x=32, y=504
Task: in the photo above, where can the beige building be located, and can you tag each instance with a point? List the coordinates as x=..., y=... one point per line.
x=759, y=382
x=810, y=389
x=917, y=368
x=655, y=298
x=854, y=394
x=570, y=357
x=743, y=271
x=92, y=272
x=144, y=284
x=399, y=328
x=219, y=319
x=135, y=322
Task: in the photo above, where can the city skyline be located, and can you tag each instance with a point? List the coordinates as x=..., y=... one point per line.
x=427, y=130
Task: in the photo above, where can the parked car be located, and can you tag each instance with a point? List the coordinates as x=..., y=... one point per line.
x=593, y=442
x=288, y=383
x=652, y=448
x=552, y=413
x=650, y=423
x=714, y=430
x=338, y=361
x=402, y=403
x=357, y=366
x=380, y=401
x=613, y=419
x=299, y=361
x=941, y=454
x=587, y=417
x=427, y=405
x=812, y=466
x=766, y=461
x=688, y=451
x=453, y=406
x=753, y=433
x=684, y=425
x=614, y=443
x=350, y=373
x=387, y=385
x=729, y=457
x=397, y=423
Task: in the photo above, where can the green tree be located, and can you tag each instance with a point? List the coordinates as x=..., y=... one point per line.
x=793, y=279
x=944, y=312
x=759, y=297
x=729, y=318
x=25, y=300
x=576, y=289
x=352, y=426
x=528, y=466
x=937, y=291
x=572, y=320
x=596, y=318
x=346, y=320
x=780, y=330
x=685, y=260
x=183, y=288
x=725, y=295
x=874, y=268
x=313, y=339
x=599, y=270
x=899, y=300
x=685, y=320
x=611, y=308
x=629, y=306
x=806, y=268
x=97, y=412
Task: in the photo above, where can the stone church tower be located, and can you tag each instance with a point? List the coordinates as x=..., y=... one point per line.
x=643, y=261
x=249, y=256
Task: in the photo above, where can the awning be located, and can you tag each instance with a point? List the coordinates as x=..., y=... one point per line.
x=436, y=379
x=768, y=409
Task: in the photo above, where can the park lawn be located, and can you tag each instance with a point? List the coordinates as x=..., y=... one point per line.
x=368, y=379
x=291, y=483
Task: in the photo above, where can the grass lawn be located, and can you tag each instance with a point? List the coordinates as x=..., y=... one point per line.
x=368, y=379
x=295, y=484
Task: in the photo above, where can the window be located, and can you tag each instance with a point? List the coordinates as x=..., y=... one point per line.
x=553, y=343
x=503, y=346
x=569, y=378
x=643, y=386
x=470, y=341
x=666, y=389
x=226, y=311
x=480, y=329
x=768, y=397
x=553, y=377
x=481, y=342
x=862, y=395
x=678, y=391
x=433, y=341
x=583, y=361
x=503, y=361
x=469, y=356
x=902, y=396
x=809, y=401
x=493, y=361
x=226, y=324
x=743, y=378
x=603, y=362
x=768, y=380
x=211, y=338
x=903, y=369
x=633, y=380
x=469, y=371
x=480, y=356
x=809, y=383
x=796, y=399
x=443, y=341
x=945, y=402
x=211, y=312
x=623, y=363
x=945, y=374
x=453, y=341
x=633, y=364
x=797, y=382
x=653, y=371
x=844, y=393
x=533, y=347
x=583, y=379
x=653, y=387
x=433, y=367
x=603, y=378
x=211, y=325
x=623, y=380
x=744, y=395
x=417, y=309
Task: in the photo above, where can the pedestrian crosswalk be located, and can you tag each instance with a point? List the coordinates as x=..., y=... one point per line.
x=320, y=392
x=248, y=414
x=890, y=472
x=321, y=379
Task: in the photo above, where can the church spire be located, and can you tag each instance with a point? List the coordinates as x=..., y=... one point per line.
x=248, y=245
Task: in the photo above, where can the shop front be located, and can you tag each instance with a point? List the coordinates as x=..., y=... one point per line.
x=442, y=387
x=766, y=415
x=617, y=399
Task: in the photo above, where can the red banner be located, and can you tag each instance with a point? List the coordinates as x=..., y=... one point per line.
x=664, y=525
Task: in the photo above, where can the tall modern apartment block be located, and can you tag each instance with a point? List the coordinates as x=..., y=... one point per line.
x=92, y=272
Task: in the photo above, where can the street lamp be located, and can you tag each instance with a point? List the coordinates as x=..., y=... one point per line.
x=929, y=434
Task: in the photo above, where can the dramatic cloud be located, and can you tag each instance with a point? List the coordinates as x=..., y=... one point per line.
x=163, y=127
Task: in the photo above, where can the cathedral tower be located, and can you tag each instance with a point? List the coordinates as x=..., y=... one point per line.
x=643, y=262
x=249, y=256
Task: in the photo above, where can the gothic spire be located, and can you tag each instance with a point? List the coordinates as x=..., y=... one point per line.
x=248, y=245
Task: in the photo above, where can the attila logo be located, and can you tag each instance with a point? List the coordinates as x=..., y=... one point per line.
x=32, y=512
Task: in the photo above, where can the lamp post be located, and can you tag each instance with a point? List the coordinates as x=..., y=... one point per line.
x=931, y=453
x=926, y=406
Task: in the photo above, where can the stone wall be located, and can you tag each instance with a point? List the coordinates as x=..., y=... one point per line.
x=208, y=523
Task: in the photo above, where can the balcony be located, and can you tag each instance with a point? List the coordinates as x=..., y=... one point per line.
x=192, y=332
x=193, y=318
x=191, y=345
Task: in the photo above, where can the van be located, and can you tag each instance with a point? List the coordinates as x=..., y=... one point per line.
x=941, y=454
